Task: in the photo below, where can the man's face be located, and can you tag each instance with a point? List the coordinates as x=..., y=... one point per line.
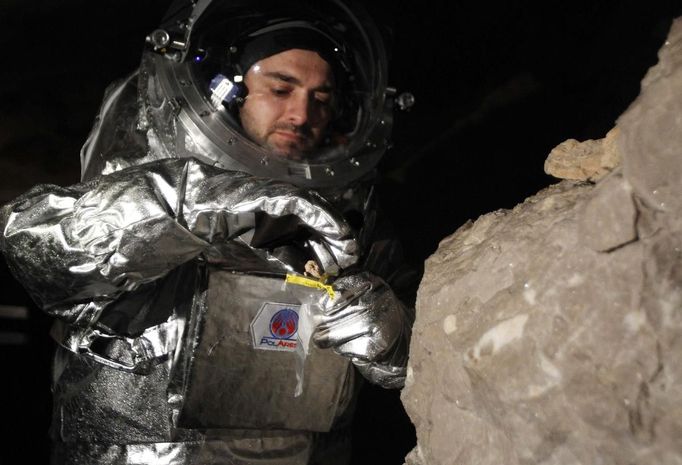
x=289, y=103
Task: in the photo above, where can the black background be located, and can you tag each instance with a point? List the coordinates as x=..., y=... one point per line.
x=497, y=86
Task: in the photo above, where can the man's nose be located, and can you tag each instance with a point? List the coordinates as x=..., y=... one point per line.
x=298, y=110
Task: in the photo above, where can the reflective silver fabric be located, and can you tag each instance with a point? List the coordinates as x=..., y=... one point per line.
x=139, y=354
x=106, y=415
x=117, y=260
x=133, y=226
x=244, y=448
x=118, y=138
x=367, y=323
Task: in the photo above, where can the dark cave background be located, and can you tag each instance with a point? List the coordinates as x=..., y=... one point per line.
x=497, y=86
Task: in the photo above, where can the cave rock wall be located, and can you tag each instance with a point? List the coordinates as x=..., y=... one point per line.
x=552, y=333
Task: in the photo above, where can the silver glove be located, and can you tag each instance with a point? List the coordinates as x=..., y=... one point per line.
x=95, y=240
x=366, y=322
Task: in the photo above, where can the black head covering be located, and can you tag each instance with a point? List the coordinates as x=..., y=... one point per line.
x=265, y=44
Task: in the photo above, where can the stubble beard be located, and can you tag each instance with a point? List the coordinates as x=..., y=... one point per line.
x=292, y=149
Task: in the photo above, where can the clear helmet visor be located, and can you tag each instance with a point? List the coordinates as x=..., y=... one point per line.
x=289, y=107
x=297, y=87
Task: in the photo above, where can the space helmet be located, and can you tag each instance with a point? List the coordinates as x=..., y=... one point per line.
x=193, y=85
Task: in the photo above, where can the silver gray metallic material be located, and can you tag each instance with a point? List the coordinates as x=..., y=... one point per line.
x=132, y=227
x=124, y=253
x=367, y=323
x=151, y=266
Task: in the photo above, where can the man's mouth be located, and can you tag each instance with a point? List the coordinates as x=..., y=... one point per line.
x=289, y=135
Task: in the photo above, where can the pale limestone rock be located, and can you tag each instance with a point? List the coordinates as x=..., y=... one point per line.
x=590, y=160
x=651, y=130
x=609, y=217
x=552, y=333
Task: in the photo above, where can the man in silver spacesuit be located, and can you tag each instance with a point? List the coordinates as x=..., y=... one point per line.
x=225, y=218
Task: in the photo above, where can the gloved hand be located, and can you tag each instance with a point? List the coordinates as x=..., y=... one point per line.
x=369, y=324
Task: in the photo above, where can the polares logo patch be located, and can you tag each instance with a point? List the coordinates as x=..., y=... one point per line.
x=275, y=327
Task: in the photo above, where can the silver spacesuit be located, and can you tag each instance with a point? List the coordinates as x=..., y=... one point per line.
x=183, y=269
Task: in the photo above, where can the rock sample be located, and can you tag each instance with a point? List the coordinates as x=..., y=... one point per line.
x=590, y=160
x=552, y=333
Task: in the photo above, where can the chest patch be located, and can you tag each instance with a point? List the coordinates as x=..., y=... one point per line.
x=275, y=327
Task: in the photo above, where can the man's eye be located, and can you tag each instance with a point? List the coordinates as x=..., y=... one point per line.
x=279, y=91
x=323, y=99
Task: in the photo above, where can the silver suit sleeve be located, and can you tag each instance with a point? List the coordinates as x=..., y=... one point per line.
x=98, y=239
x=367, y=322
x=240, y=195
